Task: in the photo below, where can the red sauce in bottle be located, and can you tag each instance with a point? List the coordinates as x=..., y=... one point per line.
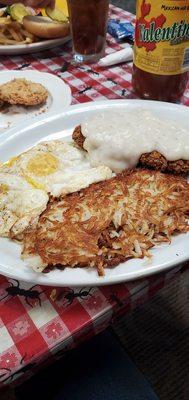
x=161, y=51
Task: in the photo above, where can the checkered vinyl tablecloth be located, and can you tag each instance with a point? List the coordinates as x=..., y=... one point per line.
x=40, y=324
x=86, y=83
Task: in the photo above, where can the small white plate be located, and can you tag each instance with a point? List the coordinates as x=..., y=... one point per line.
x=59, y=97
x=17, y=49
x=60, y=127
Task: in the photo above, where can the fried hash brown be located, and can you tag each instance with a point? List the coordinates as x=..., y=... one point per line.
x=153, y=160
x=109, y=222
x=23, y=92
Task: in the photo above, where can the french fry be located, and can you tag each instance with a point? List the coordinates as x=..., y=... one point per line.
x=4, y=40
x=5, y=20
x=13, y=33
x=2, y=11
x=16, y=35
x=27, y=34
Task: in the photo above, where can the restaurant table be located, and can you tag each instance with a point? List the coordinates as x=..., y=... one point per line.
x=37, y=325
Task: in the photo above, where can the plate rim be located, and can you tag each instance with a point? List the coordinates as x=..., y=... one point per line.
x=106, y=280
x=47, y=79
x=98, y=281
x=15, y=49
x=76, y=107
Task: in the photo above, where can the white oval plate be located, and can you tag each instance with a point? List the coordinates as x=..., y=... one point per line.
x=61, y=126
x=18, y=49
x=59, y=97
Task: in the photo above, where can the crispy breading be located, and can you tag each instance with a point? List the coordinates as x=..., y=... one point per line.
x=153, y=160
x=78, y=137
x=110, y=222
x=23, y=92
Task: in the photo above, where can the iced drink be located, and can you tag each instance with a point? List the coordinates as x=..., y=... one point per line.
x=88, y=20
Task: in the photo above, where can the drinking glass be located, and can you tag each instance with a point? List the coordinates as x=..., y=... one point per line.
x=88, y=23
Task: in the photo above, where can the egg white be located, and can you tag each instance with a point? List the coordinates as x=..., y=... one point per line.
x=50, y=168
x=46, y=163
x=19, y=204
x=56, y=167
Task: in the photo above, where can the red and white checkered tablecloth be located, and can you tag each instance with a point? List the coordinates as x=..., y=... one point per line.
x=58, y=319
x=39, y=324
x=87, y=83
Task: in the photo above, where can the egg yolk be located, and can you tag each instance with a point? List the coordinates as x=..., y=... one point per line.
x=33, y=183
x=42, y=164
x=11, y=162
x=3, y=188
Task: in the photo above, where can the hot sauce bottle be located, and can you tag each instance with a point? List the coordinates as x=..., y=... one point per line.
x=161, y=51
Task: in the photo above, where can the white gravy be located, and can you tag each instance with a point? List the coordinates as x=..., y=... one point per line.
x=117, y=139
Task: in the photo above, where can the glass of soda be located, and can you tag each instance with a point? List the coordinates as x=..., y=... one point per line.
x=88, y=22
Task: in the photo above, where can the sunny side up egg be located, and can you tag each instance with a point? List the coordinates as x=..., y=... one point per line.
x=27, y=180
x=45, y=164
x=56, y=167
x=20, y=204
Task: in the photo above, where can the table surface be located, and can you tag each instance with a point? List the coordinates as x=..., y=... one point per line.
x=39, y=330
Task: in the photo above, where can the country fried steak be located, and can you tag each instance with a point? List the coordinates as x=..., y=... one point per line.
x=109, y=222
x=153, y=160
x=23, y=92
x=78, y=137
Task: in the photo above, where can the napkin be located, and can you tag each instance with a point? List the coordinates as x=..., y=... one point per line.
x=124, y=55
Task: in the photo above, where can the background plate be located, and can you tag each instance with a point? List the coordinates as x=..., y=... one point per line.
x=61, y=126
x=33, y=47
x=59, y=97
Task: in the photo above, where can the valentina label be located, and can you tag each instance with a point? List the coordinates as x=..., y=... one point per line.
x=153, y=34
x=162, y=36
